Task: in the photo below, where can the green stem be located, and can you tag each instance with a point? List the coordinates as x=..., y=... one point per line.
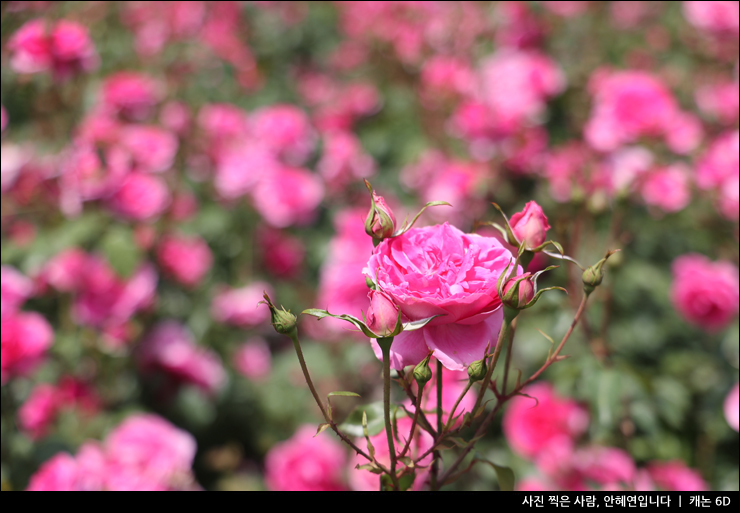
x=385, y=346
x=417, y=404
x=435, y=460
x=507, y=365
x=297, y=345
x=448, y=425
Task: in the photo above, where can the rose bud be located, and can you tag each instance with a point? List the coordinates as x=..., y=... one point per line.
x=380, y=223
x=530, y=225
x=422, y=372
x=383, y=314
x=518, y=291
x=477, y=370
x=284, y=322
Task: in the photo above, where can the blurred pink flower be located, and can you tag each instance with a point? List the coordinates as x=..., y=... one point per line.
x=140, y=198
x=39, y=411
x=731, y=408
x=675, y=476
x=288, y=197
x=186, y=259
x=286, y=131
x=610, y=468
x=531, y=425
x=66, y=271
x=223, y=122
x=705, y=293
x=668, y=188
x=175, y=116
x=239, y=168
x=629, y=105
x=152, y=149
x=25, y=338
x=720, y=99
x=281, y=254
x=445, y=78
x=63, y=48
x=344, y=162
x=15, y=289
x=171, y=349
x=718, y=169
x=59, y=474
x=567, y=9
x=240, y=307
x=306, y=464
x=720, y=17
x=253, y=359
x=131, y=95
x=3, y=118
x=342, y=288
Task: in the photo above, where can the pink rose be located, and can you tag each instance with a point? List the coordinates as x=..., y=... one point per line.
x=306, y=464
x=253, y=359
x=531, y=426
x=14, y=290
x=281, y=254
x=675, y=476
x=3, y=118
x=705, y=293
x=530, y=225
x=668, y=188
x=343, y=161
x=287, y=197
x=286, y=131
x=66, y=271
x=439, y=270
x=150, y=449
x=24, y=340
x=140, y=198
x=171, y=348
x=187, y=259
x=731, y=408
x=720, y=17
x=131, y=95
x=59, y=474
x=239, y=307
x=39, y=411
x=152, y=149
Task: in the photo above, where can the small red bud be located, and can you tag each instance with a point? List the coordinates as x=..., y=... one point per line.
x=530, y=225
x=518, y=291
x=382, y=315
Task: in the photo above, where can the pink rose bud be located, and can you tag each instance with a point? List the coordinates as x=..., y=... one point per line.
x=382, y=316
x=380, y=223
x=530, y=225
x=518, y=291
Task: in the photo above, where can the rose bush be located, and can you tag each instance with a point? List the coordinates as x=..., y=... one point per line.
x=440, y=271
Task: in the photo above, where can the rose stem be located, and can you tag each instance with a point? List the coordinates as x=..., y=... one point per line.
x=457, y=403
x=508, y=357
x=297, y=345
x=484, y=427
x=385, y=345
x=426, y=424
x=435, y=462
x=417, y=404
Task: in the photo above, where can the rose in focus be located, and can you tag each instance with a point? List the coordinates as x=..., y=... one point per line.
x=440, y=271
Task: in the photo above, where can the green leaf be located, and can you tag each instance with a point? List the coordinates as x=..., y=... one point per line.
x=375, y=421
x=505, y=476
x=320, y=314
x=417, y=325
x=121, y=250
x=343, y=394
x=406, y=482
x=370, y=468
x=322, y=428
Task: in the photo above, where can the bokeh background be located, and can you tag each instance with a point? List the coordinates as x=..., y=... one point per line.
x=164, y=163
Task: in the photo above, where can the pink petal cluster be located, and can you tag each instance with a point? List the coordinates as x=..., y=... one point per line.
x=718, y=17
x=668, y=188
x=130, y=95
x=288, y=196
x=731, y=408
x=343, y=161
x=718, y=170
x=152, y=149
x=64, y=48
x=186, y=259
x=630, y=105
x=440, y=271
x=253, y=359
x=240, y=307
x=144, y=453
x=306, y=464
x=342, y=286
x=15, y=289
x=675, y=476
x=533, y=425
x=281, y=253
x=705, y=293
x=286, y=131
x=141, y=197
x=46, y=401
x=170, y=348
x=364, y=481
x=24, y=341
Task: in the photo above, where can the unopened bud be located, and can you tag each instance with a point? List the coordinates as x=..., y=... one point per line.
x=382, y=315
x=477, y=370
x=518, y=291
x=530, y=225
x=284, y=322
x=422, y=372
x=594, y=275
x=380, y=223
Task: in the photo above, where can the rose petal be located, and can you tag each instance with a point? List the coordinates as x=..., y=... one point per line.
x=408, y=348
x=457, y=345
